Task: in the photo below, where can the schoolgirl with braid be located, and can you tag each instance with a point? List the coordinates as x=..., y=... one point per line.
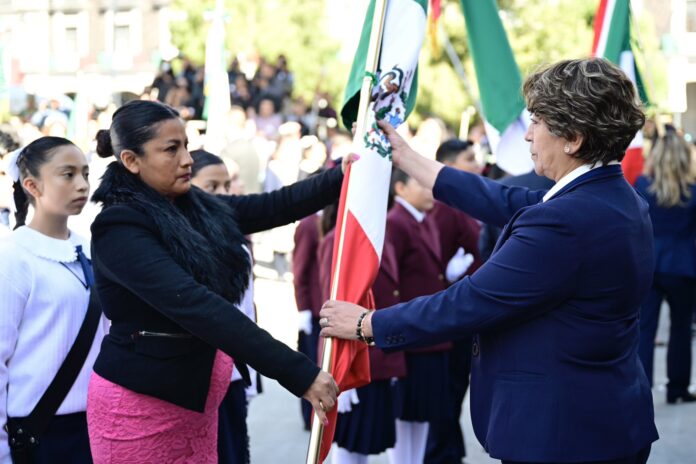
x=45, y=285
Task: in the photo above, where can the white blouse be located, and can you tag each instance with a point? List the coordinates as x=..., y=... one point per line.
x=43, y=302
x=247, y=307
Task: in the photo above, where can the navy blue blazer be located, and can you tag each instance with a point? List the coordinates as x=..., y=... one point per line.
x=675, y=232
x=555, y=371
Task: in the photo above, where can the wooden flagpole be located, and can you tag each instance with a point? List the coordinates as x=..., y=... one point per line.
x=364, y=106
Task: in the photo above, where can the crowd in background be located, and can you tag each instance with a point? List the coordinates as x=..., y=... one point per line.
x=275, y=139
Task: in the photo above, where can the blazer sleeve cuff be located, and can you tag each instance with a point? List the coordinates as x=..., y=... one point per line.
x=387, y=337
x=300, y=377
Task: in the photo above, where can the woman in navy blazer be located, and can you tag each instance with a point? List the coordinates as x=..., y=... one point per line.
x=669, y=188
x=555, y=370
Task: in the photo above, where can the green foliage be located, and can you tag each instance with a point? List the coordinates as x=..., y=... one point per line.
x=271, y=27
x=651, y=62
x=540, y=32
x=543, y=31
x=441, y=92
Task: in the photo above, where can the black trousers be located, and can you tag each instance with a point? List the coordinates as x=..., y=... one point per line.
x=233, y=438
x=641, y=457
x=65, y=441
x=445, y=438
x=679, y=293
x=308, y=345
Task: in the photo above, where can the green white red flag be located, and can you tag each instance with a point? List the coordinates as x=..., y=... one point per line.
x=363, y=203
x=500, y=84
x=612, y=40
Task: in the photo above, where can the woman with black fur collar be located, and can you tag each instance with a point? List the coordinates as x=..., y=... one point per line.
x=170, y=267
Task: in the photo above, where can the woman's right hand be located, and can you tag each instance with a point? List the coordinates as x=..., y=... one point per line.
x=422, y=169
x=322, y=394
x=401, y=150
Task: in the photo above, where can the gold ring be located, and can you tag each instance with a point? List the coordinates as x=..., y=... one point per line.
x=321, y=405
x=324, y=322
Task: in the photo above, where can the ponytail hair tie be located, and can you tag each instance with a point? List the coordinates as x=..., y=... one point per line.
x=12, y=168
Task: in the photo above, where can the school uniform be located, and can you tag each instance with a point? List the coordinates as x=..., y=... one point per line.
x=423, y=396
x=305, y=269
x=368, y=428
x=233, y=435
x=44, y=297
x=456, y=230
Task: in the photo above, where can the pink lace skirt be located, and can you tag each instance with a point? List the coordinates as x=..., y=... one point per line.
x=127, y=427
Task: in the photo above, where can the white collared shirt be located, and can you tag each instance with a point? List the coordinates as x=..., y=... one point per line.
x=417, y=215
x=571, y=176
x=246, y=305
x=43, y=303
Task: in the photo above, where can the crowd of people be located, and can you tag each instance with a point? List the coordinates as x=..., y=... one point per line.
x=551, y=276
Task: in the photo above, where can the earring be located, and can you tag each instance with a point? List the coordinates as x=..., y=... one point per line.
x=566, y=149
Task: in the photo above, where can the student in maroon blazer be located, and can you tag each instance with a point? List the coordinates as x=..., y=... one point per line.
x=456, y=228
x=305, y=269
x=459, y=240
x=423, y=397
x=366, y=420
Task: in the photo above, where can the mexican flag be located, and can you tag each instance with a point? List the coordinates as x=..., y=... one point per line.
x=500, y=86
x=216, y=85
x=363, y=204
x=404, y=29
x=612, y=40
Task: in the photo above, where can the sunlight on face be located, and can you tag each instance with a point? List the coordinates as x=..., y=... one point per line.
x=466, y=161
x=546, y=149
x=62, y=187
x=166, y=163
x=213, y=179
x=418, y=196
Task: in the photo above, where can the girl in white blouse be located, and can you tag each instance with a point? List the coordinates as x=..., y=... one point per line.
x=45, y=283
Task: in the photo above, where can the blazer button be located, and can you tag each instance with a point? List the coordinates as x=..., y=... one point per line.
x=475, y=350
x=396, y=293
x=441, y=277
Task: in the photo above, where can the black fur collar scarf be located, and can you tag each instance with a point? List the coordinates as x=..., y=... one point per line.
x=198, y=229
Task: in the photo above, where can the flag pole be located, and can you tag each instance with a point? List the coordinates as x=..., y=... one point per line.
x=371, y=64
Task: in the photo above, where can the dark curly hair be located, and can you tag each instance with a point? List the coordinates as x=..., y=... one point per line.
x=591, y=98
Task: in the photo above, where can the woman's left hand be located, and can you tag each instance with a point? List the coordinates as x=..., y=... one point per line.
x=352, y=158
x=340, y=319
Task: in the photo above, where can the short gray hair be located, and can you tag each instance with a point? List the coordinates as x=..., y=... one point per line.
x=591, y=98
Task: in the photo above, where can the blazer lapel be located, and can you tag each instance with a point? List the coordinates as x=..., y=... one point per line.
x=388, y=264
x=507, y=230
x=425, y=230
x=431, y=238
x=597, y=174
x=604, y=172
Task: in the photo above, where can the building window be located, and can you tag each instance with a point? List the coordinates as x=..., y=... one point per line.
x=122, y=39
x=691, y=16
x=71, y=43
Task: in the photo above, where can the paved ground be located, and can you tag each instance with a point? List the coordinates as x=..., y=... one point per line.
x=277, y=435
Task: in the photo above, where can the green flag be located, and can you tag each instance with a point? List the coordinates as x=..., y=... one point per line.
x=500, y=85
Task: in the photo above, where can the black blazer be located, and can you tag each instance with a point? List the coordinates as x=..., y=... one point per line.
x=143, y=288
